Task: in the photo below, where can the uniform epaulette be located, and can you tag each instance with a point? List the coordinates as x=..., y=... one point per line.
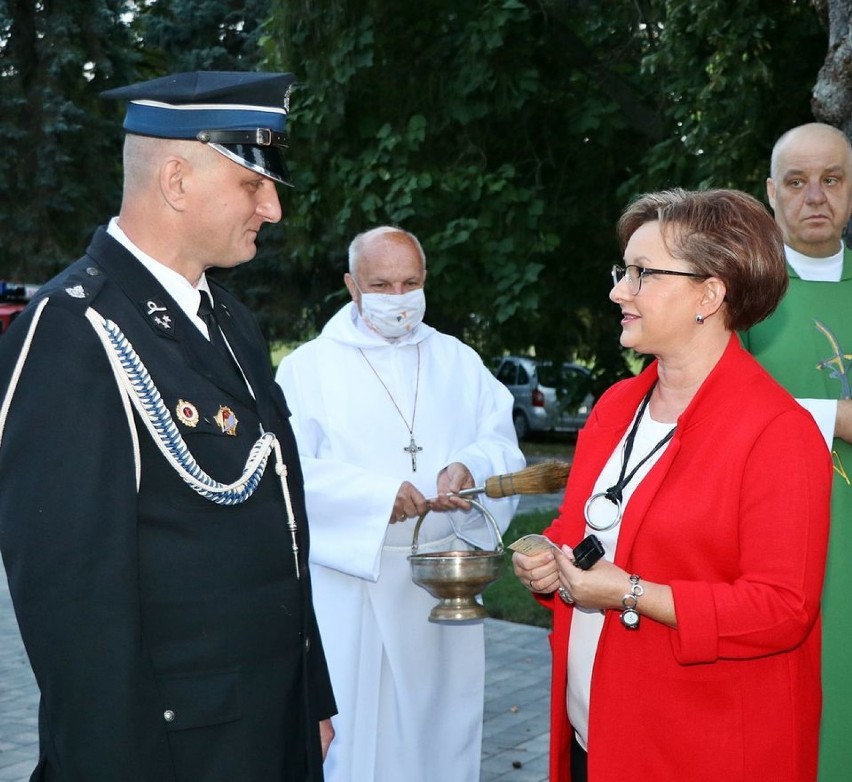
x=76, y=288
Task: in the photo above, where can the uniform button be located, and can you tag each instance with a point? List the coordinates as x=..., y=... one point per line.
x=169, y=715
x=307, y=644
x=93, y=271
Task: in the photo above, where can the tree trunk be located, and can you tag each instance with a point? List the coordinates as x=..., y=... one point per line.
x=831, y=100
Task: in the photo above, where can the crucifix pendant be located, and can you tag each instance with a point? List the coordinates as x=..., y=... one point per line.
x=413, y=448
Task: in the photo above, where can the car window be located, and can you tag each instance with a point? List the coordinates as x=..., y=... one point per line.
x=507, y=373
x=574, y=386
x=548, y=375
x=523, y=375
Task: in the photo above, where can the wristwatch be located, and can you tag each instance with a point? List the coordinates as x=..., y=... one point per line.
x=629, y=615
x=630, y=619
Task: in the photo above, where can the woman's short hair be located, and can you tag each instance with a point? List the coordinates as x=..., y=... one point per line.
x=721, y=233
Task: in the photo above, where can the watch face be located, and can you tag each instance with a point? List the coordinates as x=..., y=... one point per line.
x=630, y=619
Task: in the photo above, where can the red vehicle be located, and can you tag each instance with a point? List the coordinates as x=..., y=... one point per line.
x=13, y=298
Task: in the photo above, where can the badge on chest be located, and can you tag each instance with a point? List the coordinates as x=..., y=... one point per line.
x=225, y=419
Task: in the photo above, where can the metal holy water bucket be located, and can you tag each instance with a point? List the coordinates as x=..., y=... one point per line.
x=457, y=577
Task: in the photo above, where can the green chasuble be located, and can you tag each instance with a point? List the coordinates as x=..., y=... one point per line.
x=807, y=346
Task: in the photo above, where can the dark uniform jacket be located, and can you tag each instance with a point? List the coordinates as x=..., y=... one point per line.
x=170, y=637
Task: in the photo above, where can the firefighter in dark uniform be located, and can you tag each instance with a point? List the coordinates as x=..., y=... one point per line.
x=152, y=519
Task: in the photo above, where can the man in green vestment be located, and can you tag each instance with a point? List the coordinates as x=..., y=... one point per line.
x=807, y=346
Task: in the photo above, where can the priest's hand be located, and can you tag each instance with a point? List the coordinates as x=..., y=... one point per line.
x=326, y=736
x=409, y=502
x=843, y=422
x=453, y=478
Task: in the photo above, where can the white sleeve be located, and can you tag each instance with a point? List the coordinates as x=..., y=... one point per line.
x=824, y=412
x=347, y=526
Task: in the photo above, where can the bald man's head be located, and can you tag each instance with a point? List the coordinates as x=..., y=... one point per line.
x=810, y=188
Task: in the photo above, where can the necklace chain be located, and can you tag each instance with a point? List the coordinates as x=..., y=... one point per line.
x=412, y=448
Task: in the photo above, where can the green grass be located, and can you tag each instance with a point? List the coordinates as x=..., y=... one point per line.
x=278, y=350
x=507, y=598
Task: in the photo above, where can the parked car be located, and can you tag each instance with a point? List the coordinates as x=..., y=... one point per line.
x=549, y=397
x=13, y=299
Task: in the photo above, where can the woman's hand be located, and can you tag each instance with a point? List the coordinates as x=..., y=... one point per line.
x=537, y=572
x=604, y=585
x=601, y=586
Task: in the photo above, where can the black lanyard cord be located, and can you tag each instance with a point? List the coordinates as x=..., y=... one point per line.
x=615, y=493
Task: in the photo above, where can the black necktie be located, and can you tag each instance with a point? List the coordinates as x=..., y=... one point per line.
x=207, y=314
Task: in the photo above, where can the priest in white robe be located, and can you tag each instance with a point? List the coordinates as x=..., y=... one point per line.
x=391, y=417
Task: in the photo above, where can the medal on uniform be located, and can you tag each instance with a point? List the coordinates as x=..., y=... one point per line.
x=227, y=421
x=187, y=413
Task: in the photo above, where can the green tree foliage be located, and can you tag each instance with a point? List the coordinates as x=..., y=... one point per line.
x=57, y=170
x=60, y=175
x=190, y=35
x=447, y=119
x=507, y=134
x=729, y=78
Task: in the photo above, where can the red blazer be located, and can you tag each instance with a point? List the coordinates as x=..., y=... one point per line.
x=734, y=517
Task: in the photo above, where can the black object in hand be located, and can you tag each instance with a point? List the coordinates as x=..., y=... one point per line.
x=588, y=551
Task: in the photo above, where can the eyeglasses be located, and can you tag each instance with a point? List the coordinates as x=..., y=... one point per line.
x=635, y=274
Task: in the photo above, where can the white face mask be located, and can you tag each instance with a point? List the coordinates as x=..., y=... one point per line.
x=393, y=315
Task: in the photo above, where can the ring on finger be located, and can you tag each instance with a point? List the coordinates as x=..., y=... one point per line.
x=531, y=585
x=565, y=595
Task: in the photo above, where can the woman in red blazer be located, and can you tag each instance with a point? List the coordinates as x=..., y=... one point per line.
x=691, y=651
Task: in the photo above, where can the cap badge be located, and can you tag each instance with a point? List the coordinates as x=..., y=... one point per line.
x=187, y=413
x=227, y=421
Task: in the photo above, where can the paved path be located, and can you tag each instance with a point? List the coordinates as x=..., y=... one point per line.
x=517, y=701
x=18, y=698
x=517, y=675
x=517, y=680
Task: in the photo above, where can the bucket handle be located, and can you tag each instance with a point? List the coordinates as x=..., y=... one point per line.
x=498, y=538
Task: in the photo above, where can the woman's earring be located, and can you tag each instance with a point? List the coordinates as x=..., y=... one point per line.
x=699, y=319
